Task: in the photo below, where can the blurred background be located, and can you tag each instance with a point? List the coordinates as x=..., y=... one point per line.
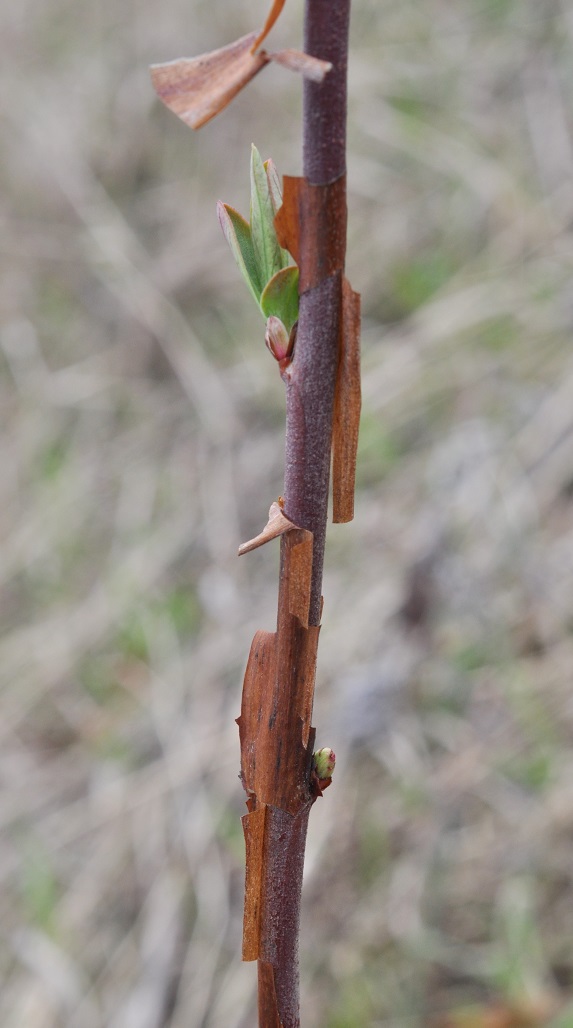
x=141, y=440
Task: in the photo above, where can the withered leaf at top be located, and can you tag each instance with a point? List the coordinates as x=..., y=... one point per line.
x=197, y=88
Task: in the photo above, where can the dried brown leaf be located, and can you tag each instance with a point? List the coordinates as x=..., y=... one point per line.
x=197, y=88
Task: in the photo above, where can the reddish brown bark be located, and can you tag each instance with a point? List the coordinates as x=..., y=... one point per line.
x=276, y=754
x=347, y=401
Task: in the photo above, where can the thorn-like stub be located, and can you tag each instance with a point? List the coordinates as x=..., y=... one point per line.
x=277, y=525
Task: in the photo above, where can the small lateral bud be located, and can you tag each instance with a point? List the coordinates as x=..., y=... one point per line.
x=323, y=763
x=280, y=343
x=277, y=338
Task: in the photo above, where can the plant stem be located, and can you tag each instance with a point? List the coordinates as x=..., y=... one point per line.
x=324, y=111
x=310, y=387
x=310, y=390
x=278, y=689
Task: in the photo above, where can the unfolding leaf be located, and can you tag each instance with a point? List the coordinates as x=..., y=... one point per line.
x=274, y=186
x=266, y=246
x=265, y=266
x=238, y=235
x=280, y=296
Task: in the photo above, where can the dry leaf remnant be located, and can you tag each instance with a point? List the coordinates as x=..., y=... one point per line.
x=198, y=88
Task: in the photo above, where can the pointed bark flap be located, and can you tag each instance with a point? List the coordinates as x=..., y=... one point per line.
x=347, y=401
x=254, y=832
x=277, y=525
x=300, y=558
x=274, y=725
x=309, y=226
x=256, y=711
x=197, y=88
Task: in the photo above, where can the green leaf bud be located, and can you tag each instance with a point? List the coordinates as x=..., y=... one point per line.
x=268, y=270
x=323, y=762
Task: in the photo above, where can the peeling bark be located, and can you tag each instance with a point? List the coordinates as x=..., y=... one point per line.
x=279, y=685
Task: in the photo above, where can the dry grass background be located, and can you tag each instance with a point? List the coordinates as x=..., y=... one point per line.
x=141, y=441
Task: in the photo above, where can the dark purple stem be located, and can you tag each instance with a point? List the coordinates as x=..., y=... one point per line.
x=310, y=384
x=324, y=113
x=310, y=388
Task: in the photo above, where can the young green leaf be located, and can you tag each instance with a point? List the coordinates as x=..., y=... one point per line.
x=268, y=270
x=274, y=184
x=277, y=202
x=280, y=296
x=265, y=243
x=238, y=235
